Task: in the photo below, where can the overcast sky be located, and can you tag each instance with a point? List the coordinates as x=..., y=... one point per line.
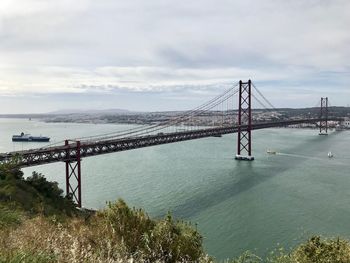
x=168, y=55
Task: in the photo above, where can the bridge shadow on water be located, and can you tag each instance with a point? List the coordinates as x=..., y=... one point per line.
x=245, y=176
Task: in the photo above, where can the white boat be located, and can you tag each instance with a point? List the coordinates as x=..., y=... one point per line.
x=330, y=154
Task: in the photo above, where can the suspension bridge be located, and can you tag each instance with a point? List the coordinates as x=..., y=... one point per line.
x=224, y=116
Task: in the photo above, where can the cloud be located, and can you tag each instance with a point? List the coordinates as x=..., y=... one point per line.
x=51, y=47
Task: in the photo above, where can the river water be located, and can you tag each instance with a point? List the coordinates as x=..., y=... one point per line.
x=237, y=205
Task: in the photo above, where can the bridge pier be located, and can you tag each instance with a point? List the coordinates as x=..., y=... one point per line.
x=244, y=135
x=324, y=116
x=73, y=173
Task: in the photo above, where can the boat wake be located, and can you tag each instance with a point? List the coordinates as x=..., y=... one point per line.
x=339, y=161
x=299, y=156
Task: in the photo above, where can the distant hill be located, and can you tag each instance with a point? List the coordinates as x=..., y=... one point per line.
x=89, y=111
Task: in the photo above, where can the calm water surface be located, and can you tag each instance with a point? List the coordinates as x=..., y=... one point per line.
x=281, y=198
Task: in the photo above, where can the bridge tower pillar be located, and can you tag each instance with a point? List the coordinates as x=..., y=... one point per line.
x=244, y=135
x=73, y=172
x=324, y=116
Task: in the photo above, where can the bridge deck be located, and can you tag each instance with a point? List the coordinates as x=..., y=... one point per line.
x=91, y=148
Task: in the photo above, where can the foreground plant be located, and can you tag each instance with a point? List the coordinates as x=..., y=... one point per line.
x=115, y=234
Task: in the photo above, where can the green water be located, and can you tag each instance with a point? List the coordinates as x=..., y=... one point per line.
x=237, y=205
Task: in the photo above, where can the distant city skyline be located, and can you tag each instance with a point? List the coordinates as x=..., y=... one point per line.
x=162, y=55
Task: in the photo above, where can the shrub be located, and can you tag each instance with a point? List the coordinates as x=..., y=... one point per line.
x=149, y=240
x=174, y=241
x=125, y=225
x=323, y=250
x=34, y=194
x=9, y=217
x=116, y=234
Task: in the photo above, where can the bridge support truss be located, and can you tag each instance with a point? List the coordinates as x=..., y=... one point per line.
x=324, y=117
x=244, y=135
x=73, y=173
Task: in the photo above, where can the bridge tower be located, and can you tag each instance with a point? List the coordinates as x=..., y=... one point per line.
x=324, y=116
x=244, y=135
x=73, y=172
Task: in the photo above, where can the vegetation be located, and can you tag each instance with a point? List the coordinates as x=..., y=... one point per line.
x=33, y=195
x=116, y=234
x=315, y=250
x=38, y=224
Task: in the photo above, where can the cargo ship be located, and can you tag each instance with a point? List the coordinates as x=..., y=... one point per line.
x=29, y=138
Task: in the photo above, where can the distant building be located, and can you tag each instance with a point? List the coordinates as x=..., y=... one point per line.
x=345, y=124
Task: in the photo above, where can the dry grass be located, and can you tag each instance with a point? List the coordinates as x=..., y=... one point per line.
x=121, y=234
x=117, y=234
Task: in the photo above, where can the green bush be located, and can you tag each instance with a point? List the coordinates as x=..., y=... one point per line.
x=150, y=240
x=322, y=251
x=34, y=194
x=52, y=200
x=9, y=217
x=174, y=241
x=126, y=225
x=315, y=250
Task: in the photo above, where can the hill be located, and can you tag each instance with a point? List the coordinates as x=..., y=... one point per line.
x=38, y=224
x=89, y=111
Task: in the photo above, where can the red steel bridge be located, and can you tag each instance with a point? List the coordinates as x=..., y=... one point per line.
x=179, y=128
